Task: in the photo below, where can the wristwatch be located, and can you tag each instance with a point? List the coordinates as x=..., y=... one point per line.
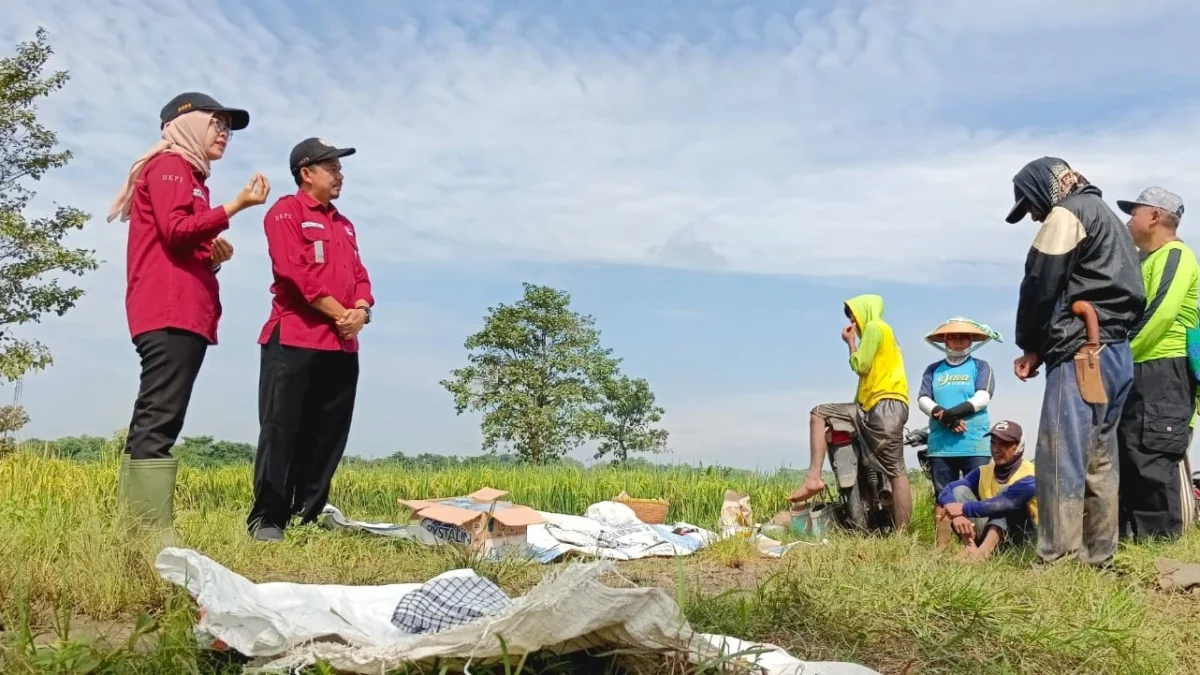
x=368, y=311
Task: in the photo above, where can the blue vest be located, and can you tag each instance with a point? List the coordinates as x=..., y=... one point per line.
x=953, y=385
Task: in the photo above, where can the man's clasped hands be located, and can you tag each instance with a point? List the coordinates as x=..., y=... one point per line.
x=351, y=322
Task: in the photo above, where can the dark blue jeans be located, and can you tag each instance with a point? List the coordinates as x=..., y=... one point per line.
x=1076, y=457
x=946, y=470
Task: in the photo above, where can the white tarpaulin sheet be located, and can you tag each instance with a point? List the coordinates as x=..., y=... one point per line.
x=285, y=626
x=561, y=534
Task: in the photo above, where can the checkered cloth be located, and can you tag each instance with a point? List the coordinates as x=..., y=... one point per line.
x=447, y=602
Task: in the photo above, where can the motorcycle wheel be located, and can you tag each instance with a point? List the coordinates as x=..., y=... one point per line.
x=855, y=509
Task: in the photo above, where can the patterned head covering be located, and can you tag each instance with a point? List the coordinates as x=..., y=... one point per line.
x=1043, y=183
x=980, y=334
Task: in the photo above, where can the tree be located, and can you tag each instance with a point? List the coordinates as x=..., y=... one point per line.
x=32, y=253
x=534, y=373
x=81, y=448
x=206, y=452
x=12, y=419
x=629, y=415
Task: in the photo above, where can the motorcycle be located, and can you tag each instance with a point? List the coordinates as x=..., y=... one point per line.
x=864, y=496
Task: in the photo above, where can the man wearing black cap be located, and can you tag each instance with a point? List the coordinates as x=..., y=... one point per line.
x=1155, y=429
x=1081, y=253
x=996, y=502
x=309, y=370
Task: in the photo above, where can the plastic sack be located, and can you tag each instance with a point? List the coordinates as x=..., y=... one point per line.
x=287, y=626
x=612, y=514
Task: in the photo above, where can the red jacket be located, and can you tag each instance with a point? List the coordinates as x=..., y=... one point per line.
x=314, y=252
x=169, y=275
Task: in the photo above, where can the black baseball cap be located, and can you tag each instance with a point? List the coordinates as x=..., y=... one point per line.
x=189, y=101
x=312, y=150
x=1007, y=431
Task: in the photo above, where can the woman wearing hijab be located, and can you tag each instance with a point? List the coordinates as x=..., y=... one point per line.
x=172, y=298
x=955, y=393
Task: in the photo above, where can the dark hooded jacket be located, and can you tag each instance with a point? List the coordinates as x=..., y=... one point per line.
x=1081, y=252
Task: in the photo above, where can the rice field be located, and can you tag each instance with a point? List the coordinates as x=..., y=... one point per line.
x=78, y=595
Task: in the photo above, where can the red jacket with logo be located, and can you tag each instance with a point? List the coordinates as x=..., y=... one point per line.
x=314, y=253
x=170, y=281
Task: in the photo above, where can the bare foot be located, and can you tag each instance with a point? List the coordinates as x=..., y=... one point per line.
x=977, y=556
x=813, y=486
x=969, y=553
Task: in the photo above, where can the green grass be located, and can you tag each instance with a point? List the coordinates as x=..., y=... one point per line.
x=73, y=586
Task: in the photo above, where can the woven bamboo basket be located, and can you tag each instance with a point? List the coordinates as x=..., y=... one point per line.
x=649, y=511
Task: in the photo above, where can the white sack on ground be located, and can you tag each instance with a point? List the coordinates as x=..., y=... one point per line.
x=612, y=514
x=286, y=626
x=561, y=534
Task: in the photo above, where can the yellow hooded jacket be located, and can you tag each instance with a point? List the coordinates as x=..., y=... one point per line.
x=878, y=362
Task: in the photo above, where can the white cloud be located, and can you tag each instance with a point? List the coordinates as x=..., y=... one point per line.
x=810, y=142
x=831, y=139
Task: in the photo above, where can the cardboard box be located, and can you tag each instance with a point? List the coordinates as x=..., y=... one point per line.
x=479, y=521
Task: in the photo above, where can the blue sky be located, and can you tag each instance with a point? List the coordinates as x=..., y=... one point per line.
x=710, y=180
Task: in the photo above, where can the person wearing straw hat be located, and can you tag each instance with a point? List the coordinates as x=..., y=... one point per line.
x=955, y=393
x=1156, y=499
x=172, y=296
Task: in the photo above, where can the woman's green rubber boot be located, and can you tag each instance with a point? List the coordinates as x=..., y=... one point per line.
x=147, y=489
x=122, y=479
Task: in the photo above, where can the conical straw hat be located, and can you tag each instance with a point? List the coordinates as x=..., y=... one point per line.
x=958, y=327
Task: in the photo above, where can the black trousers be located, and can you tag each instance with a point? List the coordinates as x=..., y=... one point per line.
x=1153, y=439
x=171, y=360
x=305, y=404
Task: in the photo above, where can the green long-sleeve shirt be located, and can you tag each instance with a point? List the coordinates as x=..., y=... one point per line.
x=1172, y=279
